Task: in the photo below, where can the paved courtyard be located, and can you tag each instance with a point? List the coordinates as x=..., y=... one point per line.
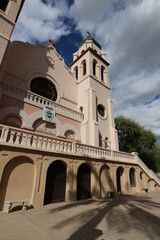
x=121, y=218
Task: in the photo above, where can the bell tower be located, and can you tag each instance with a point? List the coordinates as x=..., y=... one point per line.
x=9, y=12
x=90, y=69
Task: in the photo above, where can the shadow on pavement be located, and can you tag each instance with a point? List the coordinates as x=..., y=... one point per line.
x=119, y=213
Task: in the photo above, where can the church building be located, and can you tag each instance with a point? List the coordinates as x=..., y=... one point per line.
x=58, y=140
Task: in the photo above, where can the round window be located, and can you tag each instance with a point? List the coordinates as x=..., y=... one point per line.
x=44, y=87
x=101, y=110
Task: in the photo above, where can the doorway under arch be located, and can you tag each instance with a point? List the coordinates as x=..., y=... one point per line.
x=119, y=173
x=83, y=182
x=55, y=183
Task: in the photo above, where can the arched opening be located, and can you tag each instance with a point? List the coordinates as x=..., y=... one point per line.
x=55, y=183
x=94, y=67
x=119, y=174
x=81, y=109
x=141, y=175
x=102, y=73
x=69, y=134
x=100, y=139
x=17, y=181
x=106, y=182
x=44, y=88
x=3, y=5
x=149, y=184
x=83, y=182
x=13, y=120
x=84, y=68
x=132, y=177
x=76, y=72
x=40, y=126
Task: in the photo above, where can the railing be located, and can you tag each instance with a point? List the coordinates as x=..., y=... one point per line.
x=37, y=100
x=26, y=139
x=122, y=156
x=91, y=151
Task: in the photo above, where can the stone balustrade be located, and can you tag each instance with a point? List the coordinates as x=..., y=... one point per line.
x=91, y=151
x=122, y=156
x=27, y=139
x=37, y=100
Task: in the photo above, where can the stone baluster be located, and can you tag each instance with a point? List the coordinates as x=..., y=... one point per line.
x=95, y=152
x=33, y=97
x=12, y=134
x=24, y=139
x=49, y=144
x=4, y=134
x=29, y=140
x=18, y=135
x=44, y=144
x=28, y=95
x=61, y=146
x=81, y=149
x=89, y=151
x=65, y=146
x=86, y=150
x=57, y=145
x=34, y=143
x=74, y=147
x=39, y=145
x=53, y=145
x=100, y=152
x=92, y=151
x=69, y=147
x=39, y=100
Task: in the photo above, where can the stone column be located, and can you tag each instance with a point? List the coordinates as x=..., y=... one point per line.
x=70, y=193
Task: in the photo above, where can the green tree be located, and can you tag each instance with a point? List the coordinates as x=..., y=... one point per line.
x=135, y=138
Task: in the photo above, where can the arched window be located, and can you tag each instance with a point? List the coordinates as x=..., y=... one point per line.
x=3, y=4
x=81, y=109
x=100, y=139
x=44, y=87
x=94, y=67
x=102, y=73
x=141, y=175
x=132, y=177
x=76, y=72
x=84, y=68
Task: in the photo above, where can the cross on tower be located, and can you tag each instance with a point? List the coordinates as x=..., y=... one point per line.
x=52, y=43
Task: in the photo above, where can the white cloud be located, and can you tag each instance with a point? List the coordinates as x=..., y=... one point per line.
x=128, y=31
x=40, y=21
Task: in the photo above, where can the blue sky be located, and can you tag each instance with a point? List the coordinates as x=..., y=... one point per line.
x=129, y=33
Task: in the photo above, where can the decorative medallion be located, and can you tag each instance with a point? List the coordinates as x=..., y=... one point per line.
x=49, y=115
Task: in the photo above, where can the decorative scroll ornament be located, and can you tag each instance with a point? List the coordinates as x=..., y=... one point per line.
x=50, y=61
